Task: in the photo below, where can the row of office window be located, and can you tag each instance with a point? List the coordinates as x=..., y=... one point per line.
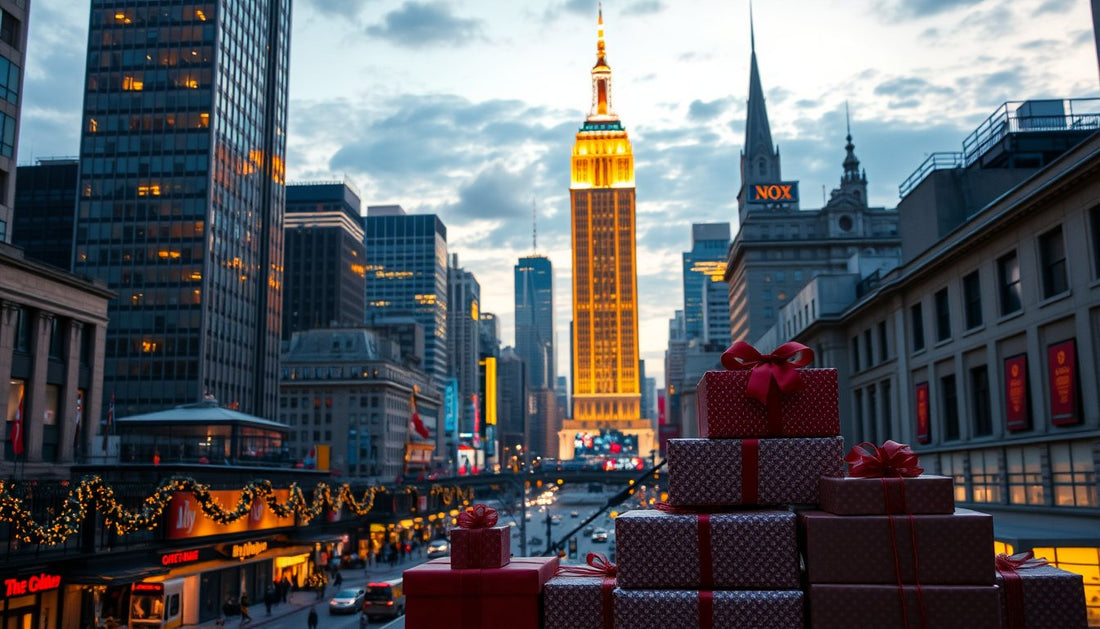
x=872, y=347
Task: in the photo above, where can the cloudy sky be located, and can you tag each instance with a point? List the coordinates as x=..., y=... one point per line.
x=469, y=109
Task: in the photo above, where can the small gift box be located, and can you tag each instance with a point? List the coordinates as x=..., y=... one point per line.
x=924, y=607
x=739, y=549
x=477, y=542
x=709, y=472
x=438, y=596
x=580, y=597
x=934, y=549
x=1036, y=595
x=718, y=609
x=883, y=480
x=768, y=396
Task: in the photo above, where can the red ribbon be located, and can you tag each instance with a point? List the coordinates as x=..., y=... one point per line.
x=478, y=517
x=702, y=520
x=893, y=459
x=706, y=609
x=1007, y=566
x=771, y=374
x=598, y=566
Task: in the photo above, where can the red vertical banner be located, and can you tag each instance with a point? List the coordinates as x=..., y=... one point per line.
x=924, y=430
x=1062, y=369
x=1017, y=415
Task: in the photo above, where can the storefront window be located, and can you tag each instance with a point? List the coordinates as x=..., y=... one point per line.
x=985, y=472
x=1073, y=474
x=954, y=465
x=1025, y=476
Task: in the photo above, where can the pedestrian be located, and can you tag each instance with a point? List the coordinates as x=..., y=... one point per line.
x=339, y=580
x=285, y=589
x=245, y=616
x=312, y=618
x=363, y=620
x=269, y=598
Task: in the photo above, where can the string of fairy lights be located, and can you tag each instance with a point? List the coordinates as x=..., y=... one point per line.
x=93, y=496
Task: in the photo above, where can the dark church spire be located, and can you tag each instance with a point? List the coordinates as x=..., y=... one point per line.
x=851, y=162
x=759, y=157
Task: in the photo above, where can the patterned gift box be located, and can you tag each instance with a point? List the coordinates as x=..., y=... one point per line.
x=745, y=550
x=944, y=607
x=720, y=609
x=572, y=602
x=878, y=496
x=725, y=411
x=1044, y=598
x=710, y=472
x=437, y=596
x=481, y=548
x=951, y=549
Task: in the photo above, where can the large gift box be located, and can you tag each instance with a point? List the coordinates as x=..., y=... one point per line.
x=725, y=411
x=708, y=472
x=740, y=549
x=439, y=596
x=579, y=602
x=1036, y=595
x=926, y=607
x=719, y=609
x=481, y=548
x=877, y=496
x=945, y=549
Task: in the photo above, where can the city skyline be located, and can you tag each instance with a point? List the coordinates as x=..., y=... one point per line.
x=437, y=122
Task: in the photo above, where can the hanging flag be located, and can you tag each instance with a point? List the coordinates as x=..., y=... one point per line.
x=110, y=420
x=417, y=425
x=156, y=457
x=17, y=428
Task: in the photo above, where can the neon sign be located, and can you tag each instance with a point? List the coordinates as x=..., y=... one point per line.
x=30, y=585
x=176, y=558
x=773, y=192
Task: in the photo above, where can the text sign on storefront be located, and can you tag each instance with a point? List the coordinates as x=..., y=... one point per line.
x=179, y=557
x=30, y=585
x=149, y=588
x=1061, y=367
x=924, y=431
x=781, y=192
x=1017, y=416
x=243, y=550
x=187, y=520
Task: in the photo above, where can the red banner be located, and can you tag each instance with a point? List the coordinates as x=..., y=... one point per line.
x=1062, y=369
x=1017, y=415
x=924, y=430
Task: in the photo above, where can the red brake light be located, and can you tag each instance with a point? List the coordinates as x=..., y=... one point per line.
x=378, y=585
x=389, y=603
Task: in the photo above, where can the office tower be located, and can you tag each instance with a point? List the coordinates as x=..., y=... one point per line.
x=561, y=390
x=534, y=294
x=325, y=258
x=181, y=197
x=463, y=343
x=13, y=33
x=606, y=386
x=488, y=366
x=779, y=248
x=407, y=275
x=706, y=305
x=512, y=412
x=44, y=200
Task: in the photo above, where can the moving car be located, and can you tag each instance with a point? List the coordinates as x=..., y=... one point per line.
x=347, y=601
x=574, y=514
x=588, y=530
x=385, y=599
x=438, y=548
x=599, y=535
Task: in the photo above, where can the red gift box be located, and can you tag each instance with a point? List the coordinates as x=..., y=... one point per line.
x=878, y=496
x=739, y=549
x=710, y=472
x=1040, y=596
x=719, y=609
x=949, y=549
x=437, y=596
x=481, y=548
x=944, y=607
x=725, y=411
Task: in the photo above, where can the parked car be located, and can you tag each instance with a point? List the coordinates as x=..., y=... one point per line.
x=438, y=548
x=347, y=601
x=574, y=514
x=385, y=599
x=599, y=535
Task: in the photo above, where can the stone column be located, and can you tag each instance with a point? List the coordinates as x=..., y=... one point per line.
x=93, y=398
x=67, y=411
x=9, y=315
x=35, y=400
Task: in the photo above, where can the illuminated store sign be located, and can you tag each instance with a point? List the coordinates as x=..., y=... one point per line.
x=782, y=192
x=180, y=557
x=30, y=585
x=244, y=550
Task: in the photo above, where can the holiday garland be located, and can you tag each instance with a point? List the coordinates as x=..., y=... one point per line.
x=92, y=492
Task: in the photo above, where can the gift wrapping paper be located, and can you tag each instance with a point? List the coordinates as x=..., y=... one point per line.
x=711, y=472
x=945, y=607
x=725, y=411
x=572, y=602
x=1052, y=599
x=480, y=548
x=742, y=549
x=877, y=496
x=729, y=609
x=951, y=549
x=439, y=596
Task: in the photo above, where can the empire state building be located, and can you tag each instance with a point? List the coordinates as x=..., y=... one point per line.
x=606, y=381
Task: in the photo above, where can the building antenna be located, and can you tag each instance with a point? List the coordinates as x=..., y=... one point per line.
x=534, y=226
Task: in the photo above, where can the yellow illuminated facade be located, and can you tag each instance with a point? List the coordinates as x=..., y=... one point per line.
x=606, y=386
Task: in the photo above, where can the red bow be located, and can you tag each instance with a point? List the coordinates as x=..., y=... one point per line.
x=780, y=367
x=893, y=459
x=478, y=517
x=1019, y=561
x=598, y=566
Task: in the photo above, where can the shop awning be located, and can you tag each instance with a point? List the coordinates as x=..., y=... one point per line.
x=1032, y=530
x=95, y=575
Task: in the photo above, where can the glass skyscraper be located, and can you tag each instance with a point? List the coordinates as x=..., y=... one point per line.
x=13, y=33
x=181, y=197
x=706, y=309
x=406, y=275
x=534, y=286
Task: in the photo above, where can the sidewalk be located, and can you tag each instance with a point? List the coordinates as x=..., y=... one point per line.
x=302, y=600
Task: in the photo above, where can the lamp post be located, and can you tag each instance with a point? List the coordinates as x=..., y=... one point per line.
x=522, y=507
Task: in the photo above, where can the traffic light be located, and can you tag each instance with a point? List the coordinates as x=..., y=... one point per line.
x=572, y=548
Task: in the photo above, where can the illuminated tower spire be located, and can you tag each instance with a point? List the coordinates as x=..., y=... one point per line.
x=601, y=79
